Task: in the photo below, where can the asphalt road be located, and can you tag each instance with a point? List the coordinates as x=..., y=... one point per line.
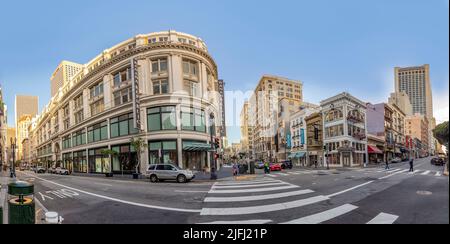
x=351, y=196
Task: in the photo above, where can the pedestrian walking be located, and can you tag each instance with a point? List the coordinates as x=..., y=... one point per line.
x=411, y=165
x=266, y=168
x=315, y=163
x=387, y=165
x=235, y=169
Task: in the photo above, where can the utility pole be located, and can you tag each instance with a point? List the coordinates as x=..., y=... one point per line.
x=13, y=149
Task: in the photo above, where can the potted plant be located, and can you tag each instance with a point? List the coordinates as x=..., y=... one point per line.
x=109, y=153
x=139, y=146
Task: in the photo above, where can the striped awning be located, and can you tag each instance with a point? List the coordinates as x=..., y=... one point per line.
x=198, y=147
x=297, y=155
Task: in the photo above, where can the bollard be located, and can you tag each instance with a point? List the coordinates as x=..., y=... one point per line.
x=21, y=207
x=53, y=218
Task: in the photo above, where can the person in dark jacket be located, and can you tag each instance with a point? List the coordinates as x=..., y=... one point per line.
x=411, y=165
x=387, y=165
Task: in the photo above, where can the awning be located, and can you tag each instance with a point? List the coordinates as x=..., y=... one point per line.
x=297, y=154
x=301, y=154
x=373, y=150
x=197, y=147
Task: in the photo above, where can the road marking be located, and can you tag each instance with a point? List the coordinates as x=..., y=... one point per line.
x=245, y=222
x=192, y=191
x=282, y=174
x=41, y=205
x=396, y=173
x=44, y=197
x=414, y=172
x=438, y=174
x=324, y=216
x=120, y=200
x=274, y=176
x=426, y=172
x=101, y=184
x=254, y=190
x=394, y=170
x=384, y=219
x=246, y=183
x=257, y=198
x=248, y=186
x=263, y=208
x=295, y=173
x=350, y=189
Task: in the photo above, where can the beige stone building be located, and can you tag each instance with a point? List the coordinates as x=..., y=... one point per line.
x=246, y=131
x=398, y=131
x=161, y=87
x=63, y=74
x=10, y=136
x=22, y=134
x=402, y=101
x=275, y=99
x=417, y=127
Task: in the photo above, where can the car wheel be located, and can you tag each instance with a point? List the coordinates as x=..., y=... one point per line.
x=181, y=179
x=153, y=178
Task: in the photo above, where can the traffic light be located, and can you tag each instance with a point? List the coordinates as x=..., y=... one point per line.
x=217, y=143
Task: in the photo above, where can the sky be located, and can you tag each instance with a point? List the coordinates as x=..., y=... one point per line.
x=331, y=46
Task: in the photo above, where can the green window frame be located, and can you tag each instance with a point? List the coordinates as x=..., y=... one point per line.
x=122, y=126
x=98, y=132
x=193, y=119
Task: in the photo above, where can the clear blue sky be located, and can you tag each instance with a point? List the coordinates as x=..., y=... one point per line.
x=332, y=46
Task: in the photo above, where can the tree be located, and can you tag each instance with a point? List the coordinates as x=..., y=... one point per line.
x=139, y=145
x=441, y=134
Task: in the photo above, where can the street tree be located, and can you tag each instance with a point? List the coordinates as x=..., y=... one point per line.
x=139, y=145
x=441, y=134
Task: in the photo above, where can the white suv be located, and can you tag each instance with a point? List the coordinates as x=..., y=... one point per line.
x=160, y=172
x=61, y=171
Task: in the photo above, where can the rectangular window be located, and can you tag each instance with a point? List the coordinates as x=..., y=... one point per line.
x=97, y=107
x=190, y=67
x=193, y=119
x=163, y=152
x=159, y=65
x=160, y=87
x=161, y=118
x=123, y=96
x=96, y=90
x=191, y=87
x=122, y=126
x=98, y=132
x=122, y=77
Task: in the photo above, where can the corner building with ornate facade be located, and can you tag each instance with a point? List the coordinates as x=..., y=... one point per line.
x=179, y=108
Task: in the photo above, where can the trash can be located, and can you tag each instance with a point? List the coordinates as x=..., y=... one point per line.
x=21, y=206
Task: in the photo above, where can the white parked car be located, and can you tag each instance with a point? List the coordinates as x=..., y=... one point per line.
x=160, y=172
x=61, y=171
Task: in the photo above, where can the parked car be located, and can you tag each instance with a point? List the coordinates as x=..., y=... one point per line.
x=51, y=170
x=161, y=172
x=275, y=167
x=396, y=160
x=286, y=164
x=62, y=171
x=437, y=161
x=40, y=170
x=259, y=165
x=228, y=165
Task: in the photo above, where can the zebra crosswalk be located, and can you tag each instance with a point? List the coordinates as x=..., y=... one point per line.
x=362, y=172
x=239, y=203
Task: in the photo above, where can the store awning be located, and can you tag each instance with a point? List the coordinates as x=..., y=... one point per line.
x=301, y=154
x=197, y=147
x=297, y=155
x=373, y=150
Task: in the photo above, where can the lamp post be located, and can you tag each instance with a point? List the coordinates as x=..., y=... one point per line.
x=13, y=149
x=213, y=160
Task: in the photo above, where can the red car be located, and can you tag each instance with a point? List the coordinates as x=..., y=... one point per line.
x=275, y=167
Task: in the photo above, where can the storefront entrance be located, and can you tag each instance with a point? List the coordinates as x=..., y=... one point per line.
x=346, y=159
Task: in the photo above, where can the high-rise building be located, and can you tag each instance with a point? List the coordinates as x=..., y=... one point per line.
x=26, y=105
x=274, y=100
x=22, y=134
x=246, y=131
x=402, y=101
x=415, y=81
x=64, y=73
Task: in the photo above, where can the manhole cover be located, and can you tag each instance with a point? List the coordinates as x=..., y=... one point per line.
x=424, y=193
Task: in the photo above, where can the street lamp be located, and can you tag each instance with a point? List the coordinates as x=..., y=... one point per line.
x=13, y=166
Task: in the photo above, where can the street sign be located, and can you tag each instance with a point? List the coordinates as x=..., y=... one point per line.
x=135, y=91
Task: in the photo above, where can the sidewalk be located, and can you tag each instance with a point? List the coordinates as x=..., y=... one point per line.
x=4, y=180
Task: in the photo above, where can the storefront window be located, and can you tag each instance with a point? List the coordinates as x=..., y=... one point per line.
x=163, y=152
x=126, y=160
x=80, y=162
x=194, y=160
x=334, y=158
x=98, y=162
x=67, y=161
x=79, y=138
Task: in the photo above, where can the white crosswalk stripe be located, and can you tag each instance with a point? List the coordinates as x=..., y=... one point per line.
x=257, y=198
x=384, y=218
x=426, y=172
x=324, y=216
x=283, y=174
x=274, y=176
x=438, y=174
x=253, y=190
x=247, y=186
x=262, y=208
x=414, y=172
x=247, y=182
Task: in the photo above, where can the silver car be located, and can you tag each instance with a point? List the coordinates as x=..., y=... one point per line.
x=160, y=172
